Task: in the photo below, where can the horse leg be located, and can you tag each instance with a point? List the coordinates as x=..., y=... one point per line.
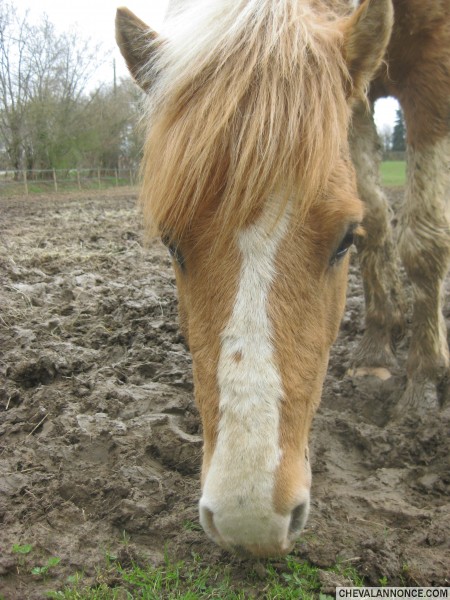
x=378, y=259
x=424, y=244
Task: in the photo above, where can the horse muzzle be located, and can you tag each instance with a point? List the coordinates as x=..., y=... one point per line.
x=252, y=530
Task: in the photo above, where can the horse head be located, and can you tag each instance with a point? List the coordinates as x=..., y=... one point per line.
x=247, y=178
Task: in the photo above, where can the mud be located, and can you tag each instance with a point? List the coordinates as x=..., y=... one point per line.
x=100, y=441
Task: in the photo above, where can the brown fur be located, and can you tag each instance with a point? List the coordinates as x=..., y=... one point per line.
x=418, y=68
x=209, y=297
x=385, y=308
x=314, y=310
x=417, y=73
x=226, y=138
x=258, y=108
x=133, y=37
x=363, y=49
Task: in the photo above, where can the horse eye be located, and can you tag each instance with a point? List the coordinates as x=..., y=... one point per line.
x=174, y=251
x=344, y=247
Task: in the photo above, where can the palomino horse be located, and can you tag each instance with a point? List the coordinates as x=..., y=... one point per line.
x=248, y=178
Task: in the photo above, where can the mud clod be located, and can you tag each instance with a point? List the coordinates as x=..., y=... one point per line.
x=100, y=437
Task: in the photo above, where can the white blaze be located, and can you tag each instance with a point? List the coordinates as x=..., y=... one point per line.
x=240, y=482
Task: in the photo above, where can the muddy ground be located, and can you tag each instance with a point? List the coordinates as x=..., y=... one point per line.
x=100, y=439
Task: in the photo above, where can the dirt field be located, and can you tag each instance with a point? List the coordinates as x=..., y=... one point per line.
x=100, y=439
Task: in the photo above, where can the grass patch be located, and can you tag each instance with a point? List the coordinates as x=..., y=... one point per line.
x=393, y=173
x=22, y=549
x=10, y=188
x=287, y=579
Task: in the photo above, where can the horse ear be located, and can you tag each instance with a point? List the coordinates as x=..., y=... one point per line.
x=367, y=35
x=137, y=43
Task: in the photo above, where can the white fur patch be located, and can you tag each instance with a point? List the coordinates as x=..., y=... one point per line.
x=239, y=487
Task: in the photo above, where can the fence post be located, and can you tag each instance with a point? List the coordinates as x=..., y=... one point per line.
x=78, y=179
x=25, y=181
x=131, y=177
x=117, y=177
x=98, y=177
x=54, y=180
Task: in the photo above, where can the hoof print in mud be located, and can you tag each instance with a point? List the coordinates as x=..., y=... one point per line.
x=99, y=424
x=41, y=371
x=136, y=515
x=175, y=448
x=116, y=454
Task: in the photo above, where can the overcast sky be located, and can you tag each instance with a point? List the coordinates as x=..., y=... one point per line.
x=95, y=19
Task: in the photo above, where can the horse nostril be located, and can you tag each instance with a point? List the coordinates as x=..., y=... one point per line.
x=208, y=516
x=207, y=521
x=298, y=519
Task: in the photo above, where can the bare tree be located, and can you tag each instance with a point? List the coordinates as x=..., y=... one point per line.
x=43, y=79
x=50, y=115
x=112, y=122
x=386, y=137
x=15, y=75
x=399, y=133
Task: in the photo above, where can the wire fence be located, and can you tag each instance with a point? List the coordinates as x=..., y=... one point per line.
x=26, y=182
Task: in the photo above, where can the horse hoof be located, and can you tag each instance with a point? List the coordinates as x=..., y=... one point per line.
x=419, y=398
x=378, y=355
x=380, y=372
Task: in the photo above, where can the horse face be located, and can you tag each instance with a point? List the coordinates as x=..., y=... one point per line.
x=262, y=293
x=259, y=318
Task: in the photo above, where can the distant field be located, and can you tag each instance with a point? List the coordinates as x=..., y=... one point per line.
x=393, y=173
x=18, y=183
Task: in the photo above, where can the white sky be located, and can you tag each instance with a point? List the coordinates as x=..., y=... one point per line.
x=95, y=19
x=385, y=112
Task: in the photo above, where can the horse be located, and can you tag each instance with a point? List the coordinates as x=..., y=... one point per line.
x=258, y=112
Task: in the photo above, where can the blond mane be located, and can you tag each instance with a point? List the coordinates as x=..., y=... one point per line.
x=249, y=101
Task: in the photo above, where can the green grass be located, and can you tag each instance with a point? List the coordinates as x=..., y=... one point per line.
x=8, y=189
x=289, y=579
x=393, y=173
